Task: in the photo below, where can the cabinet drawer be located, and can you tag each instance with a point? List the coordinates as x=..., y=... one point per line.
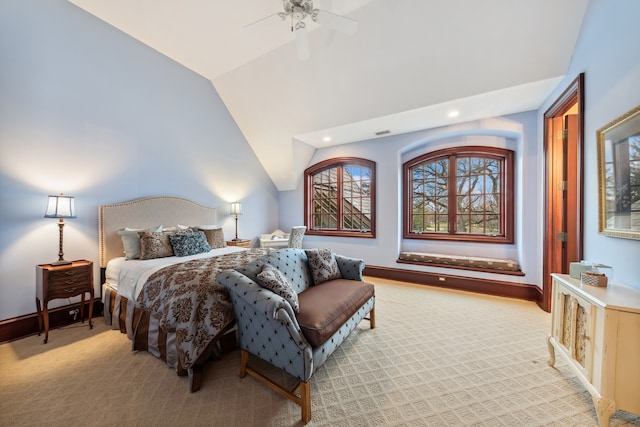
x=68, y=282
x=69, y=290
x=68, y=277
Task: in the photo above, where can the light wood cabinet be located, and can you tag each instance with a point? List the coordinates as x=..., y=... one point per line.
x=597, y=331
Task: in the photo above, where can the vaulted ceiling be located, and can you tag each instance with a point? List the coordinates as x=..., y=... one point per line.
x=408, y=65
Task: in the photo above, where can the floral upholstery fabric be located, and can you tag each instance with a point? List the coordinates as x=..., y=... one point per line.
x=187, y=299
x=296, y=236
x=274, y=280
x=323, y=265
x=155, y=245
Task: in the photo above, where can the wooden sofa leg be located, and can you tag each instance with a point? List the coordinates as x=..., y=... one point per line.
x=304, y=388
x=372, y=318
x=243, y=363
x=305, y=401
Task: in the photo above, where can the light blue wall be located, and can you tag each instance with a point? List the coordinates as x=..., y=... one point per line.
x=608, y=52
x=89, y=111
x=86, y=110
x=517, y=132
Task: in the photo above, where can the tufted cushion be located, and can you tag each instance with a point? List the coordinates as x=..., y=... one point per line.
x=461, y=261
x=184, y=244
x=292, y=263
x=323, y=265
x=275, y=281
x=154, y=245
x=326, y=307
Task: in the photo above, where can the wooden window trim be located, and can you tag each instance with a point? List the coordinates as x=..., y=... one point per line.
x=507, y=191
x=308, y=197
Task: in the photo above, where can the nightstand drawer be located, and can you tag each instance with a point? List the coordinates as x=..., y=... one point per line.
x=62, y=279
x=69, y=290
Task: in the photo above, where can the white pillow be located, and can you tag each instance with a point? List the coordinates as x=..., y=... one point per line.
x=205, y=227
x=131, y=241
x=177, y=229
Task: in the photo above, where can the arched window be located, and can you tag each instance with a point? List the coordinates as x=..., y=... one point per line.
x=462, y=193
x=339, y=198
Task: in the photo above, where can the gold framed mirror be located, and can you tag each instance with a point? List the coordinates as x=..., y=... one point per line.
x=619, y=176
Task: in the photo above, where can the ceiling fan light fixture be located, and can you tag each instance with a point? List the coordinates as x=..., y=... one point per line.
x=298, y=11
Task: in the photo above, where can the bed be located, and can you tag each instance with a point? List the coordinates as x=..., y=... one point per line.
x=170, y=306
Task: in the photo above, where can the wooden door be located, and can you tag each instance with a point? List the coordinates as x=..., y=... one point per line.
x=563, y=142
x=572, y=251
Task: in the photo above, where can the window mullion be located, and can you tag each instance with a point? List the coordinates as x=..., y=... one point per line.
x=453, y=193
x=340, y=195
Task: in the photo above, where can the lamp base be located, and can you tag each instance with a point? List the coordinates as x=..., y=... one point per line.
x=61, y=262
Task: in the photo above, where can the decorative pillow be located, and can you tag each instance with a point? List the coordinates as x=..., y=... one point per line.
x=184, y=244
x=131, y=240
x=205, y=227
x=155, y=245
x=271, y=278
x=323, y=265
x=214, y=234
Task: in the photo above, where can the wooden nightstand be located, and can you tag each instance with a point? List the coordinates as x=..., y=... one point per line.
x=243, y=243
x=63, y=281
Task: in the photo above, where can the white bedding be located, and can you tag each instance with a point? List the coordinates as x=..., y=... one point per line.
x=127, y=277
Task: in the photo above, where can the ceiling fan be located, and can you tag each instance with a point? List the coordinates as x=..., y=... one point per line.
x=298, y=11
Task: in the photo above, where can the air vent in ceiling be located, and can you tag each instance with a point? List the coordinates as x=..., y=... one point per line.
x=383, y=132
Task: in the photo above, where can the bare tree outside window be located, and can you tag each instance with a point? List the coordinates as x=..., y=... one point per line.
x=460, y=194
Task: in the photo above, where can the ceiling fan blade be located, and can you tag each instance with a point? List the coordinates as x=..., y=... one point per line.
x=302, y=43
x=266, y=21
x=324, y=4
x=337, y=22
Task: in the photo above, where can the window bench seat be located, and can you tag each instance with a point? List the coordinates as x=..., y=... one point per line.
x=490, y=265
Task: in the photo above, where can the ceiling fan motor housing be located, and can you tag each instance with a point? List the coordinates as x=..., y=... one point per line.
x=298, y=9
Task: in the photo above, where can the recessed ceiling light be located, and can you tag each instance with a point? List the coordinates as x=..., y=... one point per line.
x=327, y=139
x=454, y=113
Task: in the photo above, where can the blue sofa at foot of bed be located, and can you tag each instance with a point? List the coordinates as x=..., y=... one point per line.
x=319, y=298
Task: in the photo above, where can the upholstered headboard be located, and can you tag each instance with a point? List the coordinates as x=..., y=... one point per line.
x=146, y=213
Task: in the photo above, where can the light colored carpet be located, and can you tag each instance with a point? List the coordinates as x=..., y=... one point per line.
x=436, y=358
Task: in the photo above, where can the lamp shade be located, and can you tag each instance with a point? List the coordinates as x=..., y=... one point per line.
x=236, y=208
x=60, y=207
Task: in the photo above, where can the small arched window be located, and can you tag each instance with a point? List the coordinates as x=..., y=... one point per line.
x=339, y=198
x=462, y=193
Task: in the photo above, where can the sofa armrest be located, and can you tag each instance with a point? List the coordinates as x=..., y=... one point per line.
x=350, y=268
x=268, y=305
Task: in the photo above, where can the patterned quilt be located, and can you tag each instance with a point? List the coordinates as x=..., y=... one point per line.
x=187, y=299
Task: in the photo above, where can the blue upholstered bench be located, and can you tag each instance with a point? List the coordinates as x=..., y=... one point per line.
x=293, y=309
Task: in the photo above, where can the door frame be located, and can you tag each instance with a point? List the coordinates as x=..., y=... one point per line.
x=573, y=94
